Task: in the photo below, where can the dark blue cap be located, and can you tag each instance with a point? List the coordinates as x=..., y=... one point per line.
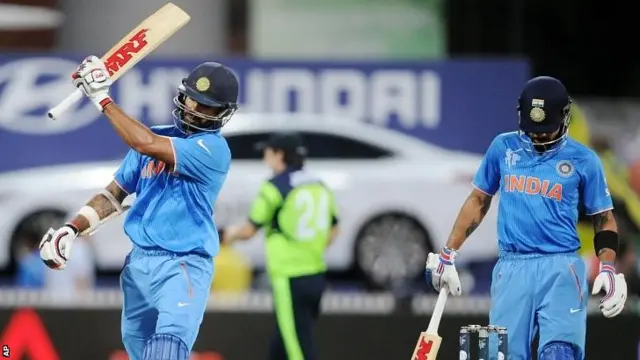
x=543, y=105
x=212, y=84
x=288, y=141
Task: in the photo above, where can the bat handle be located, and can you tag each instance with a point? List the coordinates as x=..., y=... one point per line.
x=434, y=323
x=65, y=104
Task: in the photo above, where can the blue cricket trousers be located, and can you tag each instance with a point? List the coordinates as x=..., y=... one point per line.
x=164, y=293
x=540, y=292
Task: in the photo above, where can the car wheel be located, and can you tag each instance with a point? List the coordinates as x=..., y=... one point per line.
x=31, y=229
x=391, y=250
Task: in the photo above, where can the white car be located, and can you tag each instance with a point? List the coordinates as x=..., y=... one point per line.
x=398, y=196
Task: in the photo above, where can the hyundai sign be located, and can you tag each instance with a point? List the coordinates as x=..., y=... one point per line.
x=459, y=105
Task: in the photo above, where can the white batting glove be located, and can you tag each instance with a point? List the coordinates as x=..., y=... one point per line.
x=92, y=77
x=615, y=288
x=55, y=247
x=442, y=270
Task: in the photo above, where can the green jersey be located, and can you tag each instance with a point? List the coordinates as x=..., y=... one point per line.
x=297, y=212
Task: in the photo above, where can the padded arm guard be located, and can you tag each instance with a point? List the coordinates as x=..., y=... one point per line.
x=94, y=220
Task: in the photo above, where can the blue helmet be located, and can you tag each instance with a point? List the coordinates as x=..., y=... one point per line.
x=544, y=107
x=211, y=85
x=290, y=143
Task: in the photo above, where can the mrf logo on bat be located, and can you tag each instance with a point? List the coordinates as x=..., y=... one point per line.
x=124, y=54
x=424, y=350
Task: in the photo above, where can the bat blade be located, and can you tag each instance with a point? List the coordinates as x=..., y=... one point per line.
x=143, y=39
x=429, y=341
x=427, y=347
x=132, y=48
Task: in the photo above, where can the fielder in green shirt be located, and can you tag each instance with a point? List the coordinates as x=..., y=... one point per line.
x=298, y=213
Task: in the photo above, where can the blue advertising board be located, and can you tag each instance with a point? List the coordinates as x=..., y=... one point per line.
x=457, y=104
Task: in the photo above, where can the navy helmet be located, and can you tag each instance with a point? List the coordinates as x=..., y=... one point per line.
x=211, y=85
x=286, y=141
x=290, y=143
x=544, y=107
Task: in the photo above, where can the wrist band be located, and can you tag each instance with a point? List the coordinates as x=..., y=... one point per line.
x=607, y=266
x=106, y=101
x=447, y=255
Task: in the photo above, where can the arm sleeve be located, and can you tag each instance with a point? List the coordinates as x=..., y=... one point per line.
x=202, y=158
x=129, y=172
x=265, y=204
x=487, y=178
x=595, y=191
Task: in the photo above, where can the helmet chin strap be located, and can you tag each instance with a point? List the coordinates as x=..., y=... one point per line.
x=544, y=147
x=216, y=121
x=549, y=145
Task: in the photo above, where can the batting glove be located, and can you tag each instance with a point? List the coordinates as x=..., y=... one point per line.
x=441, y=270
x=615, y=289
x=92, y=77
x=55, y=247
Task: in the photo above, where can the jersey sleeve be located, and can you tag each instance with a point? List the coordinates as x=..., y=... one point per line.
x=265, y=204
x=487, y=178
x=202, y=158
x=129, y=172
x=595, y=191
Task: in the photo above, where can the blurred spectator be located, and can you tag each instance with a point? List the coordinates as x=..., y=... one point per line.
x=579, y=127
x=626, y=202
x=580, y=132
x=77, y=277
x=31, y=269
x=233, y=272
x=634, y=176
x=628, y=265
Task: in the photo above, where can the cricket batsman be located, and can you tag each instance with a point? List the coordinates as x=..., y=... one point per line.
x=539, y=282
x=176, y=173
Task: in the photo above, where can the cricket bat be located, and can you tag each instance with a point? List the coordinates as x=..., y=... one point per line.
x=137, y=44
x=429, y=341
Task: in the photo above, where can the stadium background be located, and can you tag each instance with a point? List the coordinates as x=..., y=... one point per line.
x=475, y=59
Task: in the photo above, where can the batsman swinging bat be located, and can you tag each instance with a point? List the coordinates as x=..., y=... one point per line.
x=429, y=341
x=142, y=40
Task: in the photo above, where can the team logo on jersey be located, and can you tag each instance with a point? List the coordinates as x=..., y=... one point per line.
x=153, y=168
x=511, y=158
x=564, y=168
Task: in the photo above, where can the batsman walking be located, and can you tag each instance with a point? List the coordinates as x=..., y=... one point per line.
x=176, y=173
x=539, y=282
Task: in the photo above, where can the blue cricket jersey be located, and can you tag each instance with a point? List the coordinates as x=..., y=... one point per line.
x=174, y=210
x=540, y=193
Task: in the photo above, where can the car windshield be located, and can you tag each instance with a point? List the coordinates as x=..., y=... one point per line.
x=390, y=140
